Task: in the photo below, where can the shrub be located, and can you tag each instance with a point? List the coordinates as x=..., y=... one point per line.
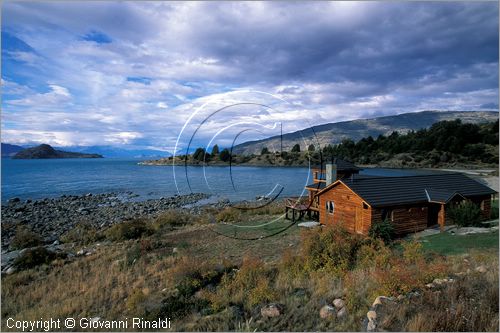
x=412, y=251
x=34, y=257
x=465, y=214
x=469, y=305
x=135, y=302
x=132, y=254
x=290, y=268
x=128, y=230
x=331, y=249
x=249, y=286
x=82, y=233
x=172, y=218
x=383, y=230
x=228, y=215
x=373, y=254
x=190, y=275
x=24, y=238
x=395, y=280
x=494, y=209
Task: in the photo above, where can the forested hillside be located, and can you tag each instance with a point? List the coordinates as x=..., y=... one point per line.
x=445, y=142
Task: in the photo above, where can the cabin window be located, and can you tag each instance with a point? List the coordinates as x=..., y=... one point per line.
x=365, y=206
x=330, y=207
x=482, y=204
x=387, y=214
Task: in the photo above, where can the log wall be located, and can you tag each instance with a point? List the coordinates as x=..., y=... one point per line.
x=406, y=219
x=349, y=209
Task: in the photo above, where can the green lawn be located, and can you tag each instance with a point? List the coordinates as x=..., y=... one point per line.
x=258, y=227
x=446, y=243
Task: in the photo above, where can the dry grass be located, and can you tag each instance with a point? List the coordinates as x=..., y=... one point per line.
x=469, y=304
x=211, y=282
x=98, y=285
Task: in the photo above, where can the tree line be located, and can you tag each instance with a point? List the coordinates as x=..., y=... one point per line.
x=443, y=142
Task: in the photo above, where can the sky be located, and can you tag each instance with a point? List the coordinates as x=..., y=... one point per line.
x=160, y=75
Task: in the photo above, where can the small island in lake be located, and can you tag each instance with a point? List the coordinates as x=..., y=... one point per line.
x=46, y=151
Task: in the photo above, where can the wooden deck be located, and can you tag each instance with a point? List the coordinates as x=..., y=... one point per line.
x=300, y=206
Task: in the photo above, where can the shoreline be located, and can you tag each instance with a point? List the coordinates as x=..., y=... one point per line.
x=52, y=217
x=451, y=168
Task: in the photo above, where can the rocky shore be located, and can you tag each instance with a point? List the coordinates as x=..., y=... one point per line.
x=50, y=218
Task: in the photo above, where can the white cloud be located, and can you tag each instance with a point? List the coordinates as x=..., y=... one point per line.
x=57, y=96
x=329, y=61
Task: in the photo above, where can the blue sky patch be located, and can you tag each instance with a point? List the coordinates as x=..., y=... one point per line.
x=98, y=37
x=140, y=79
x=12, y=43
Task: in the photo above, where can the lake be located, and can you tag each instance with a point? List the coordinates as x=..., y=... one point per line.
x=35, y=179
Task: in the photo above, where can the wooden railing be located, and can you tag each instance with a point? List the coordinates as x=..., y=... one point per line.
x=296, y=201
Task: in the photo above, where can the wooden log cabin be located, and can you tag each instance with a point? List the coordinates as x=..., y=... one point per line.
x=411, y=203
x=322, y=174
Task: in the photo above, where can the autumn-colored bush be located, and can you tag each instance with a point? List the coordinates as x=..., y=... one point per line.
x=128, y=230
x=135, y=302
x=290, y=269
x=24, y=238
x=172, y=218
x=228, y=215
x=407, y=272
x=249, y=285
x=34, y=257
x=373, y=254
x=470, y=304
x=190, y=274
x=331, y=249
x=82, y=233
x=413, y=251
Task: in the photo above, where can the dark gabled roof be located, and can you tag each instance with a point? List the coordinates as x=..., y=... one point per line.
x=342, y=165
x=320, y=185
x=440, y=196
x=384, y=191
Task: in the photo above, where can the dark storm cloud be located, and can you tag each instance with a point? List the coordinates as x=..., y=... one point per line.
x=141, y=61
x=386, y=43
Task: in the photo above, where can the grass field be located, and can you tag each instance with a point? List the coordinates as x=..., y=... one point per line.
x=204, y=276
x=448, y=244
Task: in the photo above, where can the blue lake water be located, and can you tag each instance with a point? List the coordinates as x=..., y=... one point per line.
x=35, y=179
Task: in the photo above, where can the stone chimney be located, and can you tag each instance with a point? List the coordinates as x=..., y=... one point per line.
x=331, y=173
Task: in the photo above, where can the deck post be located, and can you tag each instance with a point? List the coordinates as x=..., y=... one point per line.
x=441, y=218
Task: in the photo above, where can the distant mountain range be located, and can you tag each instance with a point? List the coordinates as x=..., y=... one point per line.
x=115, y=152
x=9, y=150
x=44, y=151
x=334, y=133
x=325, y=134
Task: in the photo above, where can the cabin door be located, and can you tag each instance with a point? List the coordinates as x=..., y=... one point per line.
x=433, y=212
x=359, y=220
